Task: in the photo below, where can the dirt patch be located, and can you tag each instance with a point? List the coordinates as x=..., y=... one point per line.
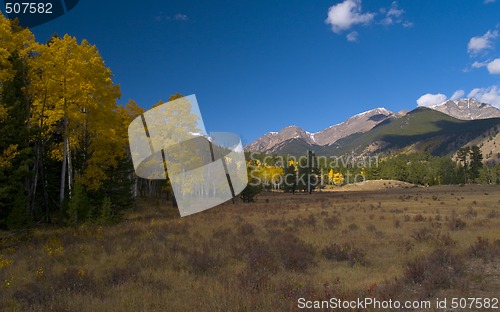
x=372, y=185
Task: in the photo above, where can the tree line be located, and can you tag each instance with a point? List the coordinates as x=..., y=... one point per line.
x=64, y=153
x=422, y=168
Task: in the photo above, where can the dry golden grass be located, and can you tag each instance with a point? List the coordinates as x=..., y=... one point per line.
x=263, y=256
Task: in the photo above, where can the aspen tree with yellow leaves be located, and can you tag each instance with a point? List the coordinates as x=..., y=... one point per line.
x=74, y=95
x=60, y=124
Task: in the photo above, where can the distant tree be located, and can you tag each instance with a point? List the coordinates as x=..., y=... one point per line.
x=338, y=179
x=313, y=171
x=462, y=158
x=486, y=175
x=249, y=192
x=497, y=174
x=476, y=162
x=373, y=173
x=290, y=178
x=330, y=176
x=395, y=168
x=308, y=172
x=445, y=169
x=79, y=209
x=106, y=214
x=254, y=185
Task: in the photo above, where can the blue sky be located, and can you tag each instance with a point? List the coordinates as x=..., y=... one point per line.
x=258, y=66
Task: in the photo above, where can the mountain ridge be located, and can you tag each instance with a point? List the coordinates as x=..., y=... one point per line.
x=361, y=122
x=467, y=109
x=378, y=130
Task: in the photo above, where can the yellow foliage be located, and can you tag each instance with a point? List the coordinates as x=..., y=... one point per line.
x=75, y=91
x=3, y=112
x=12, y=39
x=54, y=247
x=39, y=272
x=338, y=178
x=363, y=171
x=4, y=262
x=8, y=156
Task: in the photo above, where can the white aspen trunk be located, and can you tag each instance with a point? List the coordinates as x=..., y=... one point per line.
x=70, y=167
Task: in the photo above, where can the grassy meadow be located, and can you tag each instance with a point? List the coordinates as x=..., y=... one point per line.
x=386, y=242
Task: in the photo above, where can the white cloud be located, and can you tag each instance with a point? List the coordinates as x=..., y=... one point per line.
x=161, y=17
x=394, y=10
x=348, y=13
x=352, y=36
x=480, y=43
x=408, y=24
x=431, y=99
x=457, y=95
x=180, y=17
x=488, y=1
x=344, y=15
x=477, y=64
x=494, y=66
x=490, y=95
x=394, y=16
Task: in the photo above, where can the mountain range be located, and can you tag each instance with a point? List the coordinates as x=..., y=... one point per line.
x=441, y=130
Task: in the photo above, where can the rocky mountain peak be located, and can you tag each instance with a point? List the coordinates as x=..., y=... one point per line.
x=467, y=109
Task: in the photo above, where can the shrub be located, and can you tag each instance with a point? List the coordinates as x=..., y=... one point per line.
x=311, y=220
x=493, y=214
x=353, y=227
x=456, y=224
x=397, y=223
x=439, y=270
x=262, y=258
x=291, y=291
x=371, y=227
x=106, y=215
x=121, y=275
x=296, y=255
x=419, y=218
x=247, y=229
x=202, y=261
x=33, y=294
x=78, y=206
x=262, y=262
x=446, y=240
x=422, y=234
x=19, y=217
x=250, y=191
x=471, y=212
x=253, y=280
x=345, y=252
x=222, y=233
x=484, y=250
x=75, y=280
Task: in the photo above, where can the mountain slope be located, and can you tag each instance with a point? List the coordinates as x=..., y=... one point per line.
x=468, y=109
x=273, y=141
x=441, y=130
x=421, y=129
x=358, y=123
